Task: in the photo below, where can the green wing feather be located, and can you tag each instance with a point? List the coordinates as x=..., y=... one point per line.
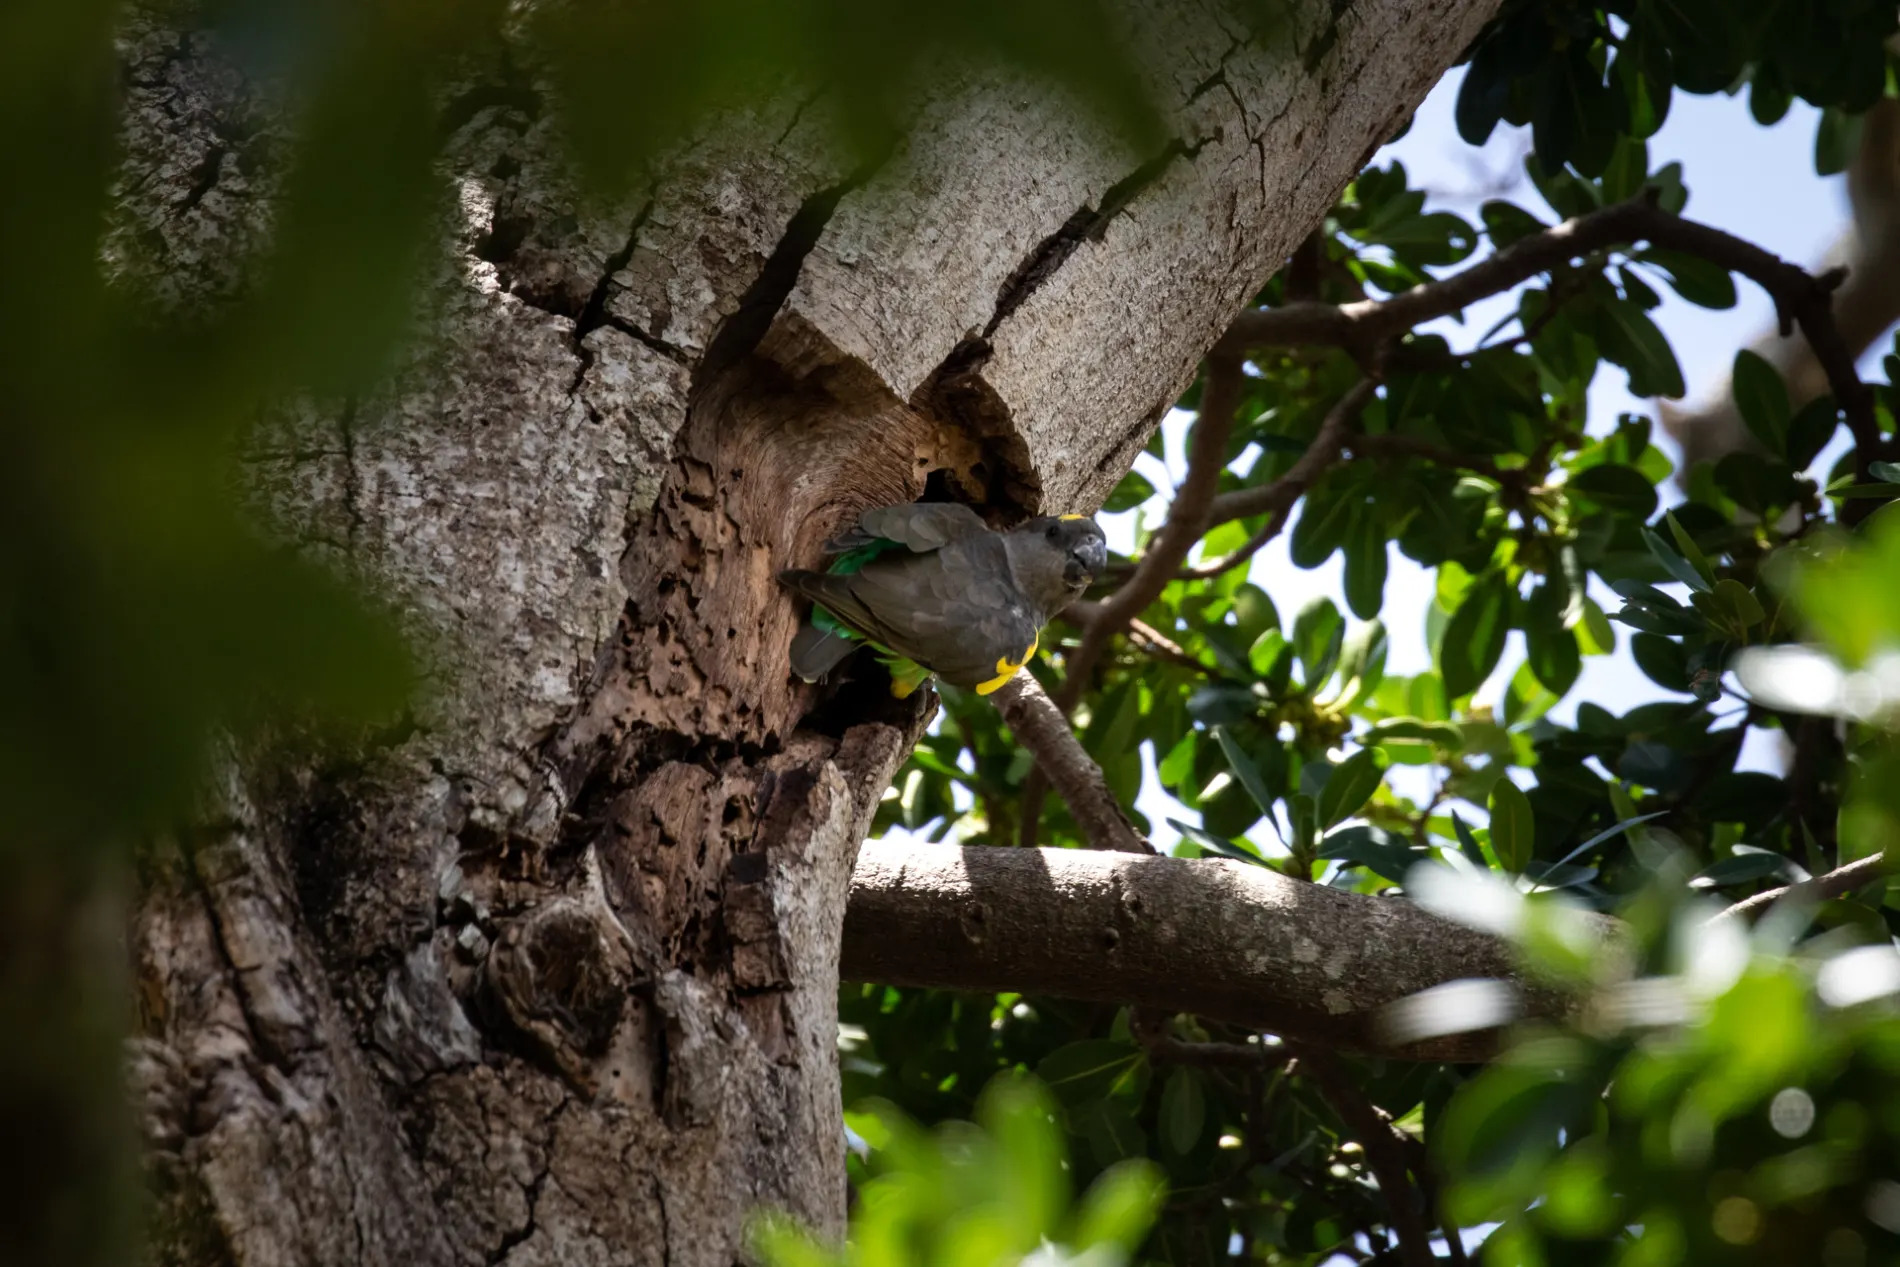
x=906, y=675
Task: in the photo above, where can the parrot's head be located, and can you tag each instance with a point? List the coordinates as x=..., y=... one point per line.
x=1056, y=557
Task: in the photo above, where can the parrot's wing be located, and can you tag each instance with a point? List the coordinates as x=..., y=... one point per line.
x=815, y=651
x=958, y=612
x=918, y=526
x=834, y=592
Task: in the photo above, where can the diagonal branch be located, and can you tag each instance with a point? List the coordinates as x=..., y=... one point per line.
x=1040, y=727
x=1277, y=497
x=1189, y=515
x=1187, y=520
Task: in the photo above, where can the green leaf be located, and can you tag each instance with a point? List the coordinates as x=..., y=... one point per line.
x=1374, y=848
x=1111, y=1130
x=1757, y=484
x=1245, y=772
x=1762, y=399
x=1888, y=471
x=1834, y=141
x=1812, y=426
x=1411, y=729
x=1616, y=487
x=1183, y=1110
x=1468, y=842
x=1553, y=656
x=1238, y=850
x=1674, y=564
x=1271, y=657
x=1474, y=637
x=1325, y=520
x=1318, y=633
x=1690, y=551
x=1507, y=222
x=1661, y=660
x=1352, y=784
x=1596, y=635
x=1254, y=612
x=1513, y=830
x=1705, y=284
x=1365, y=567
x=1094, y=1069
x=1120, y=1207
x=1633, y=341
x=1133, y=490
x=1742, y=868
x=1608, y=832
x=1178, y=766
x=1741, y=601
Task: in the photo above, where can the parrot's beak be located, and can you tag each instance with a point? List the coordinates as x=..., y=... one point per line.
x=1089, y=559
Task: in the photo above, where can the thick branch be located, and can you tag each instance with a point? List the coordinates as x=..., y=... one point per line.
x=1040, y=727
x=1839, y=882
x=1217, y=938
x=1800, y=297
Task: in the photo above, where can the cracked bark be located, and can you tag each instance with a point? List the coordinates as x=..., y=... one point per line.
x=549, y=975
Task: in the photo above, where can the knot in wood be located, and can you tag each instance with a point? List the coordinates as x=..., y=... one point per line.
x=558, y=979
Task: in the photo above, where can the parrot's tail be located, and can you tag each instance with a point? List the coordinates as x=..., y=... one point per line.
x=815, y=652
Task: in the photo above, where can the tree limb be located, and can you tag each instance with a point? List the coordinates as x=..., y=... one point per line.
x=1040, y=727
x=1839, y=882
x=1221, y=939
x=1800, y=298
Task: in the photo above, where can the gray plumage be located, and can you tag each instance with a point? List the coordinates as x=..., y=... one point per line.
x=948, y=593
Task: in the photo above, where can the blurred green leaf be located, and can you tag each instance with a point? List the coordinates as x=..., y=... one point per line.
x=1513, y=831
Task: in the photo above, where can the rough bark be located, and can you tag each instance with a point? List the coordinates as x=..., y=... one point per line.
x=546, y=972
x=1217, y=938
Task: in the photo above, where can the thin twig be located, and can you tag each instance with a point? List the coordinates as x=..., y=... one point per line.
x=1041, y=727
x=1839, y=882
x=1254, y=545
x=1800, y=298
x=1384, y=1154
x=1149, y=1028
x=1165, y=648
x=1279, y=495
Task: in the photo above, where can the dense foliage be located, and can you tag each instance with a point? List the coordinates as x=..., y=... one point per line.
x=1716, y=1108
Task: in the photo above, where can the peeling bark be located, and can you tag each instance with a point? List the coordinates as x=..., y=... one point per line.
x=548, y=973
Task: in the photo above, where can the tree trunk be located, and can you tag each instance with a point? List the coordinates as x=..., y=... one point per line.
x=547, y=971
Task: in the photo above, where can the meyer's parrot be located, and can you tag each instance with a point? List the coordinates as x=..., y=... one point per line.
x=935, y=590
